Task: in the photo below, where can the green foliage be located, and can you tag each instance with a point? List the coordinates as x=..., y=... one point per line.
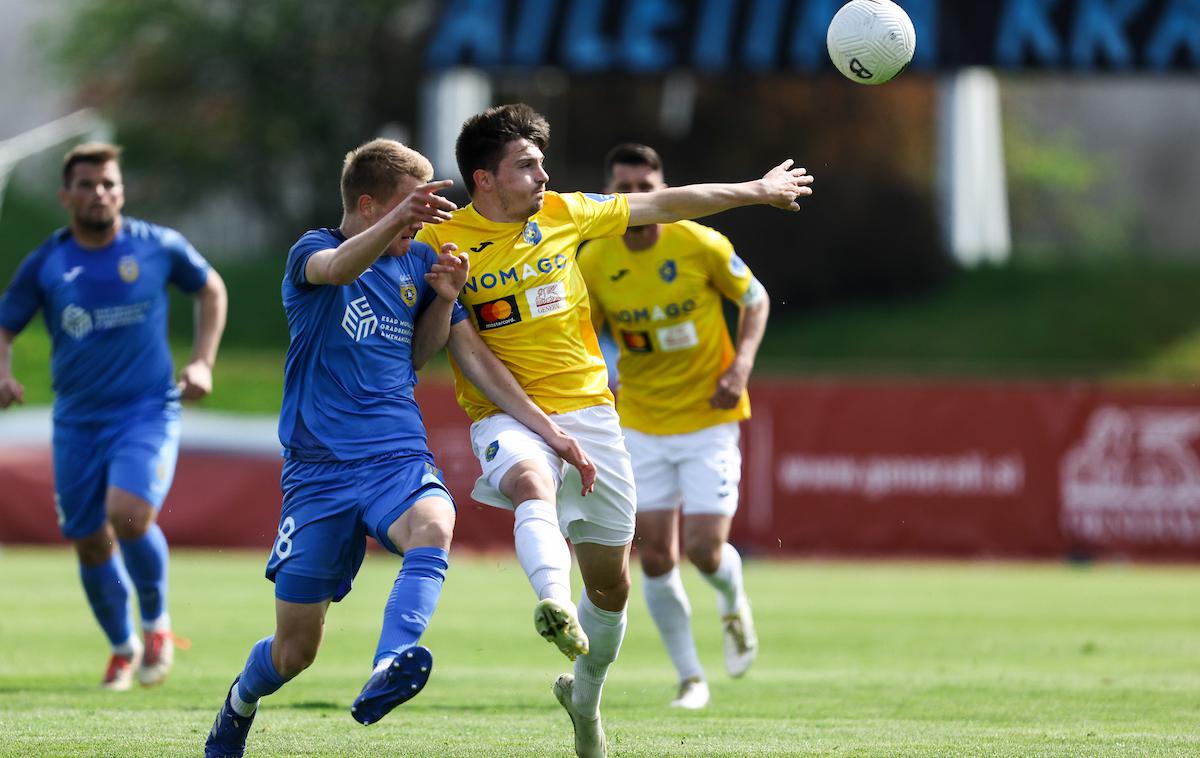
x=857, y=659
x=257, y=98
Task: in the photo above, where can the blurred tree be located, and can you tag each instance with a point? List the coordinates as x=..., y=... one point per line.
x=258, y=99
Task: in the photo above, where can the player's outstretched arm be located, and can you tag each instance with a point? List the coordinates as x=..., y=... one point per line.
x=447, y=277
x=781, y=187
x=752, y=325
x=485, y=371
x=11, y=390
x=212, y=305
x=347, y=262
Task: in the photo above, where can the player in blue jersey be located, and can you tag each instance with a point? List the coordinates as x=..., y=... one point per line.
x=367, y=306
x=100, y=283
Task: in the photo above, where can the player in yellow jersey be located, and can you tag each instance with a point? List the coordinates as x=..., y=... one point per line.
x=682, y=394
x=527, y=298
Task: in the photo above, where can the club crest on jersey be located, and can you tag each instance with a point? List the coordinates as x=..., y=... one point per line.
x=532, y=234
x=667, y=271
x=637, y=342
x=127, y=267
x=497, y=313
x=408, y=291
x=490, y=453
x=737, y=266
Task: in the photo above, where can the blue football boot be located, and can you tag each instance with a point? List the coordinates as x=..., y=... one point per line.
x=391, y=686
x=227, y=739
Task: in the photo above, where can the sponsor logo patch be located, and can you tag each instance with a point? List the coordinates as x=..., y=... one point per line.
x=637, y=342
x=546, y=299
x=76, y=321
x=497, y=313
x=678, y=337
x=359, y=320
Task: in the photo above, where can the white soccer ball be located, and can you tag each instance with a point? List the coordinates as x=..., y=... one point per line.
x=871, y=41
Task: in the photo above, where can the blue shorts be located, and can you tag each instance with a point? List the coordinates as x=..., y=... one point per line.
x=137, y=454
x=329, y=508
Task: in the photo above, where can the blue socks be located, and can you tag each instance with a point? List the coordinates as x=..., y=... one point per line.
x=146, y=560
x=107, y=588
x=259, y=678
x=414, y=596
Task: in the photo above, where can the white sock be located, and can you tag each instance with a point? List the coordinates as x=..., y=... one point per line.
x=241, y=707
x=129, y=648
x=605, y=630
x=160, y=624
x=727, y=581
x=672, y=614
x=542, y=550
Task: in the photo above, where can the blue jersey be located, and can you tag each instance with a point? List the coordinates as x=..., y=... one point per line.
x=349, y=378
x=106, y=311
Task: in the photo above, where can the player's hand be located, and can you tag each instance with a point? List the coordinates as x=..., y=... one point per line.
x=424, y=206
x=449, y=273
x=195, y=380
x=11, y=392
x=569, y=449
x=730, y=386
x=783, y=185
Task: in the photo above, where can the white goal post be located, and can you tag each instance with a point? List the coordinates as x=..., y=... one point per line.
x=82, y=123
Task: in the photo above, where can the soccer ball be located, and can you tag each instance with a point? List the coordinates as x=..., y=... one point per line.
x=871, y=41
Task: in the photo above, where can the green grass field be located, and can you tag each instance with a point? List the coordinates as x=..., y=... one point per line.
x=880, y=659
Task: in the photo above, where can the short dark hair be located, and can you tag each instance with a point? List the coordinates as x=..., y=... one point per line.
x=375, y=168
x=484, y=136
x=632, y=154
x=96, y=153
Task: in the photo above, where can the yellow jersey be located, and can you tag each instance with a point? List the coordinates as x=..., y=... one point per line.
x=528, y=300
x=663, y=305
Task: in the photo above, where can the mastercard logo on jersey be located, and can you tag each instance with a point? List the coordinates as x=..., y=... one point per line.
x=497, y=313
x=637, y=342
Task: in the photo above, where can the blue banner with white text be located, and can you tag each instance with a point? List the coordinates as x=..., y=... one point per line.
x=780, y=36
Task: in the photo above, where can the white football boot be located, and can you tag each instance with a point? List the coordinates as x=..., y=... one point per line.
x=558, y=623
x=118, y=677
x=158, y=658
x=693, y=694
x=741, y=641
x=589, y=734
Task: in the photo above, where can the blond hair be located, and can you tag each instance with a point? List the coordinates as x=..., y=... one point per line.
x=376, y=168
x=97, y=153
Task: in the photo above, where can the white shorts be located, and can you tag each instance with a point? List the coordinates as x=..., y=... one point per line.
x=606, y=515
x=702, y=469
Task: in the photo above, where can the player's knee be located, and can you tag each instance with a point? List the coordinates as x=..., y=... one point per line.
x=611, y=595
x=437, y=531
x=656, y=559
x=95, y=549
x=130, y=519
x=296, y=655
x=528, y=483
x=705, y=555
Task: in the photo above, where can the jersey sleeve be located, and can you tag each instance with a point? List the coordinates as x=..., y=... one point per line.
x=297, y=260
x=598, y=216
x=23, y=296
x=189, y=270
x=728, y=273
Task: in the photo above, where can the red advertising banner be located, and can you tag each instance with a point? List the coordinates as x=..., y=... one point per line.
x=830, y=467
